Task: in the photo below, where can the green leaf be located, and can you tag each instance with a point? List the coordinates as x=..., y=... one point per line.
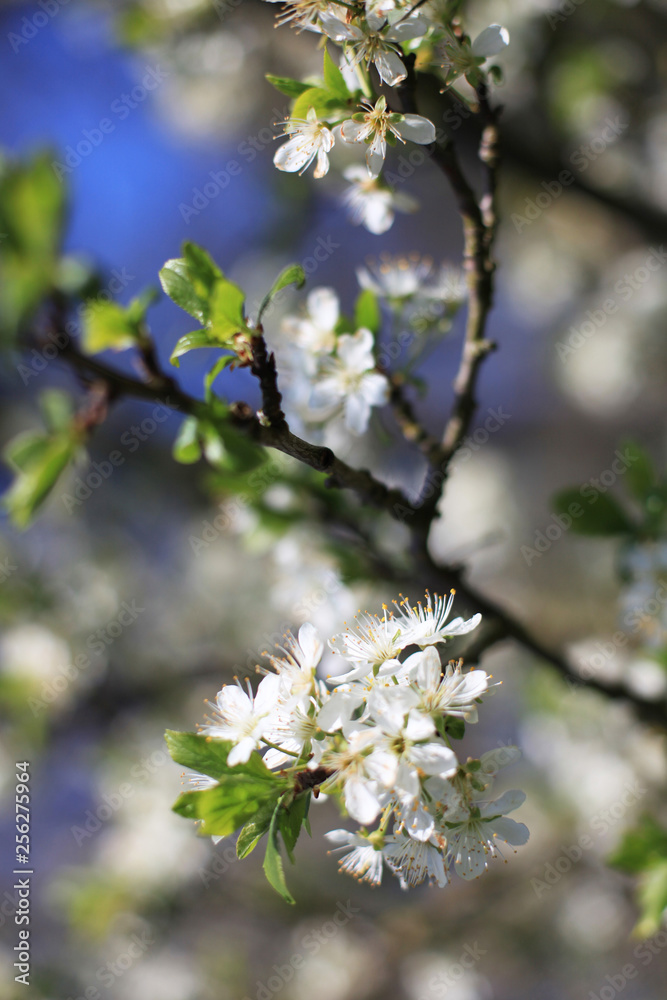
x=25, y=449
x=209, y=756
x=179, y=286
x=226, y=311
x=640, y=475
x=57, y=409
x=291, y=820
x=107, y=326
x=38, y=476
x=294, y=274
x=273, y=863
x=652, y=899
x=644, y=845
x=334, y=79
x=204, y=273
x=456, y=728
x=292, y=88
x=595, y=514
x=190, y=342
x=253, y=831
x=32, y=217
x=32, y=206
x=140, y=304
x=225, y=807
x=186, y=448
x=367, y=311
x=322, y=100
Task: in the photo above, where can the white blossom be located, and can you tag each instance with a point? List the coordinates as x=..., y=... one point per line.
x=377, y=735
x=349, y=384
x=310, y=138
x=377, y=42
x=242, y=719
x=306, y=13
x=395, y=278
x=461, y=58
x=414, y=860
x=371, y=640
x=375, y=126
x=371, y=203
x=362, y=859
x=477, y=829
x=429, y=624
x=453, y=693
x=316, y=331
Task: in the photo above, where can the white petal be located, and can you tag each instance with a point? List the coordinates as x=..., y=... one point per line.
x=360, y=801
x=357, y=414
x=511, y=832
x=294, y=155
x=419, y=727
x=356, y=350
x=427, y=668
x=507, y=803
x=311, y=644
x=267, y=694
x=375, y=389
x=417, y=129
x=323, y=307
x=390, y=67
x=352, y=131
x=491, y=41
x=419, y=824
x=340, y=837
x=377, y=213
x=375, y=158
x=240, y=754
x=337, y=30
x=413, y=27
x=338, y=709
x=461, y=627
x=322, y=167
x=470, y=859
x=233, y=701
x=435, y=759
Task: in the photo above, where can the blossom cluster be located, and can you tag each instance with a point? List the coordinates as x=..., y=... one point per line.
x=332, y=369
x=343, y=107
x=378, y=737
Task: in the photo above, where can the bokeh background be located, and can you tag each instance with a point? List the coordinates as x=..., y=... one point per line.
x=127, y=901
